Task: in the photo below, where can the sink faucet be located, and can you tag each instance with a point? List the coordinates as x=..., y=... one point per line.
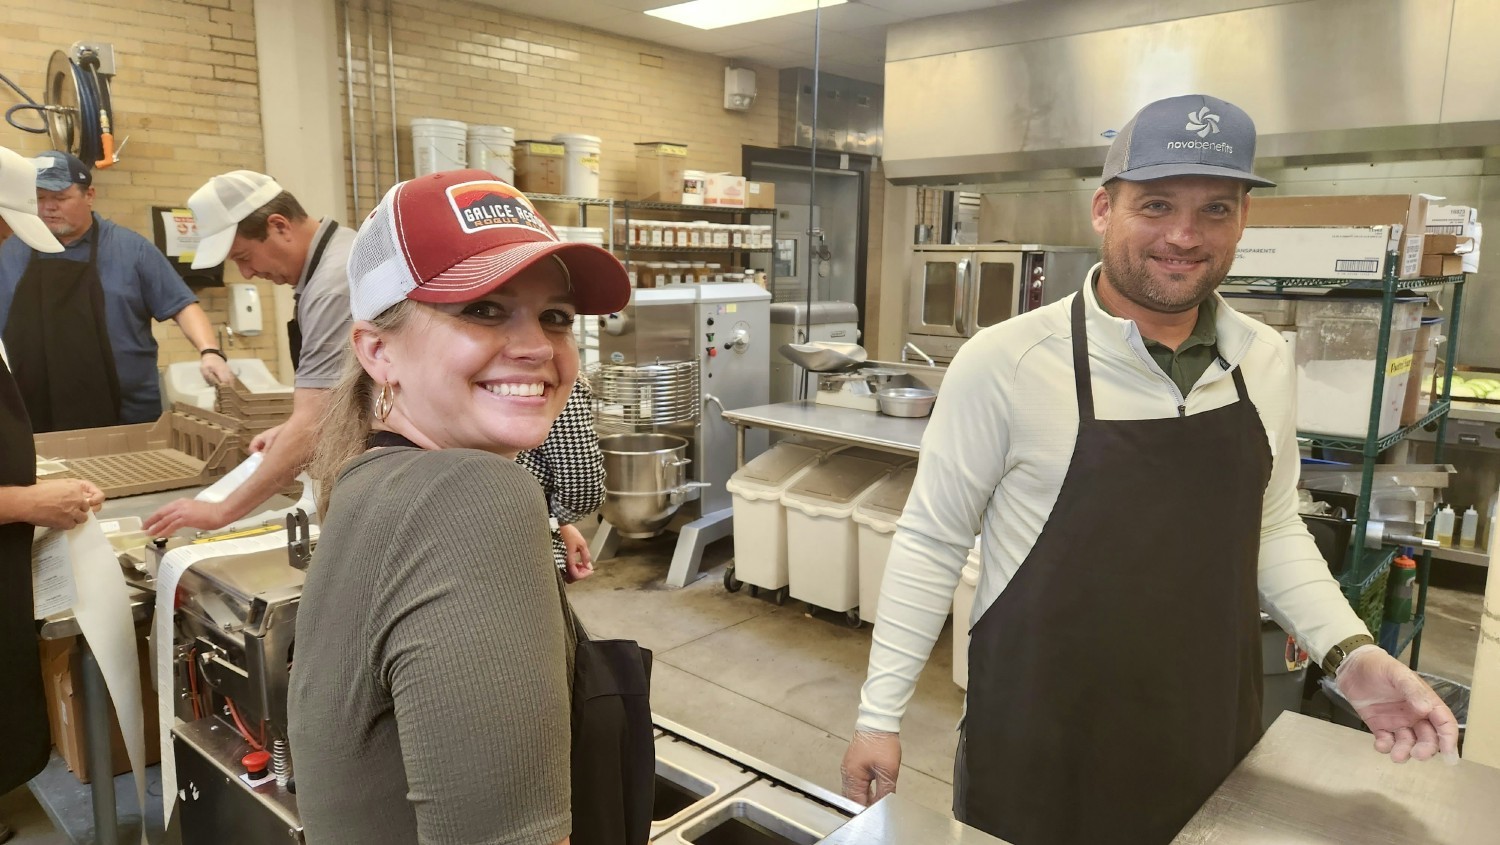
x=912, y=347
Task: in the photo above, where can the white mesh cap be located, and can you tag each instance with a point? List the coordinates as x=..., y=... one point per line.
x=18, y=202
x=456, y=235
x=220, y=205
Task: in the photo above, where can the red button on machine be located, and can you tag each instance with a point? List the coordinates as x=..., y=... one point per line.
x=256, y=763
x=712, y=352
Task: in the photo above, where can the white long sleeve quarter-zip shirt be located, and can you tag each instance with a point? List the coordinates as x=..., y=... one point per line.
x=999, y=444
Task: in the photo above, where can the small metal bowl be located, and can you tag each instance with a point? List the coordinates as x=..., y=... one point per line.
x=905, y=401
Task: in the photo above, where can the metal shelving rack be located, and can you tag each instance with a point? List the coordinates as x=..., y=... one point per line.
x=587, y=330
x=1366, y=565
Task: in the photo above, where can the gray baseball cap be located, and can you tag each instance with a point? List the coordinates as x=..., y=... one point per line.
x=1191, y=135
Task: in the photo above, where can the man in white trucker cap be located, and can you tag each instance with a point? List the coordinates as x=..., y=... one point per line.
x=249, y=219
x=24, y=503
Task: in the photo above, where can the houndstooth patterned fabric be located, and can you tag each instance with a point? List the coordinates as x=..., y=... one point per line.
x=569, y=465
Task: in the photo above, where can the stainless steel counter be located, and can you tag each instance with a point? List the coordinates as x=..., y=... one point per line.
x=1309, y=781
x=897, y=821
x=900, y=435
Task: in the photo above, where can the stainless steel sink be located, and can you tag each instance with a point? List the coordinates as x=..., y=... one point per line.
x=759, y=814
x=688, y=781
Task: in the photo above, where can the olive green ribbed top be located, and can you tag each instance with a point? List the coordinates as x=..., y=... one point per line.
x=433, y=663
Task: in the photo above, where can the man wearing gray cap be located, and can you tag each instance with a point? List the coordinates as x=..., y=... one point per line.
x=1128, y=457
x=249, y=219
x=25, y=502
x=78, y=325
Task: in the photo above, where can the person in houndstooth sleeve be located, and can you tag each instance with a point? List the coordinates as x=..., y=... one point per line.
x=571, y=470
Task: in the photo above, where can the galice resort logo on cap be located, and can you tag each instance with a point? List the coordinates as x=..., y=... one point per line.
x=488, y=205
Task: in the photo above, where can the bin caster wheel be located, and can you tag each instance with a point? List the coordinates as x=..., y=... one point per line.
x=851, y=618
x=779, y=596
x=731, y=583
x=754, y=592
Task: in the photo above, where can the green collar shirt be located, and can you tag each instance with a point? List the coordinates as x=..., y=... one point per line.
x=1187, y=363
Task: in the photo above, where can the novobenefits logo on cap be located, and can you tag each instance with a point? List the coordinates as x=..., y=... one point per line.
x=490, y=205
x=1190, y=135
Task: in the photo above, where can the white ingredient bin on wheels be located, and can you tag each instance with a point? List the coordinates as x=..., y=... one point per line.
x=822, y=540
x=876, y=517
x=963, y=608
x=760, y=519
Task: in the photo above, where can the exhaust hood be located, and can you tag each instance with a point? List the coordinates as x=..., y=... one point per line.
x=1020, y=92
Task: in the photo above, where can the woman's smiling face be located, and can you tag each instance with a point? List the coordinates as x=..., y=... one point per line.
x=492, y=373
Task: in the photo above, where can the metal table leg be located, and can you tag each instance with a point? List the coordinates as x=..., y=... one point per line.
x=606, y=541
x=687, y=558
x=96, y=733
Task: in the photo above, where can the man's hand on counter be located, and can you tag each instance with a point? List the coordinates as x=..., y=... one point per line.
x=1407, y=717
x=874, y=757
x=186, y=513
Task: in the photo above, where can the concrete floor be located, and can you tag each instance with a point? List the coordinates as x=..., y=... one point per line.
x=783, y=686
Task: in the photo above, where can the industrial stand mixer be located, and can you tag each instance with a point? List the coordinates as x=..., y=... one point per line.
x=671, y=363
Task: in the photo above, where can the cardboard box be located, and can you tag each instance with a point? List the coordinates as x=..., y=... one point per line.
x=658, y=170
x=1313, y=252
x=1446, y=244
x=539, y=167
x=1406, y=211
x=724, y=190
x=1450, y=219
x=760, y=194
x=1442, y=265
x=64, y=690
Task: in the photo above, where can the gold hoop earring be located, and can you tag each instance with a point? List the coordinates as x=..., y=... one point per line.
x=384, y=402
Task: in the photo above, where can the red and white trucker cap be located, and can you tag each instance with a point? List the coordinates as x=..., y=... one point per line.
x=456, y=235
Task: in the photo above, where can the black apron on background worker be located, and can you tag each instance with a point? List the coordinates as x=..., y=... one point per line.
x=1117, y=679
x=294, y=328
x=59, y=346
x=24, y=737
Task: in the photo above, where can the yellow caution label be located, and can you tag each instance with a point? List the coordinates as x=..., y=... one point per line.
x=591, y=162
x=1397, y=366
x=539, y=149
x=679, y=150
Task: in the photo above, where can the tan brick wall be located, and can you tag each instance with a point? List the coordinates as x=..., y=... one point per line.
x=470, y=62
x=185, y=93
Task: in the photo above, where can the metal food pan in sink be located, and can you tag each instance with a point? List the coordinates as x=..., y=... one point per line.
x=688, y=781
x=760, y=814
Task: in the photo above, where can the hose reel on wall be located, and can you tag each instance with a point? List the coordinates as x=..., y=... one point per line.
x=77, y=108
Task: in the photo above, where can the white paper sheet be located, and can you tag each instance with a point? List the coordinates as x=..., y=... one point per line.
x=52, y=587
x=103, y=612
x=173, y=565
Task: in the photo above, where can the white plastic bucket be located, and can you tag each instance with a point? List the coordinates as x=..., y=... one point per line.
x=581, y=164
x=438, y=144
x=694, y=184
x=493, y=148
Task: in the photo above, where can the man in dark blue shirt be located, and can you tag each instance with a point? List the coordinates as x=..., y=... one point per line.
x=120, y=281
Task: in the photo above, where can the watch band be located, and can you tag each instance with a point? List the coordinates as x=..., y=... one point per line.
x=209, y=350
x=1338, y=653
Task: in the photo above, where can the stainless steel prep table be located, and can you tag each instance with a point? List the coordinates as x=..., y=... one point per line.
x=900, y=435
x=1309, y=781
x=894, y=820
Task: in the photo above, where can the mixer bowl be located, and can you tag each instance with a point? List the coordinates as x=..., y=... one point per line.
x=644, y=478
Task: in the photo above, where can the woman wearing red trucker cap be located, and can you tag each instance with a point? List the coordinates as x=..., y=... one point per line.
x=437, y=656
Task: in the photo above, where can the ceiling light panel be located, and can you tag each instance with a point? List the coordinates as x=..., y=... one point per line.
x=714, y=14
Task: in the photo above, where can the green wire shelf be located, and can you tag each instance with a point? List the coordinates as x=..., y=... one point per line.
x=1345, y=284
x=1416, y=628
x=1358, y=444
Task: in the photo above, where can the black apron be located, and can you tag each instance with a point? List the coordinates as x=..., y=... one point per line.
x=614, y=753
x=613, y=750
x=294, y=328
x=59, y=345
x=1117, y=679
x=24, y=737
